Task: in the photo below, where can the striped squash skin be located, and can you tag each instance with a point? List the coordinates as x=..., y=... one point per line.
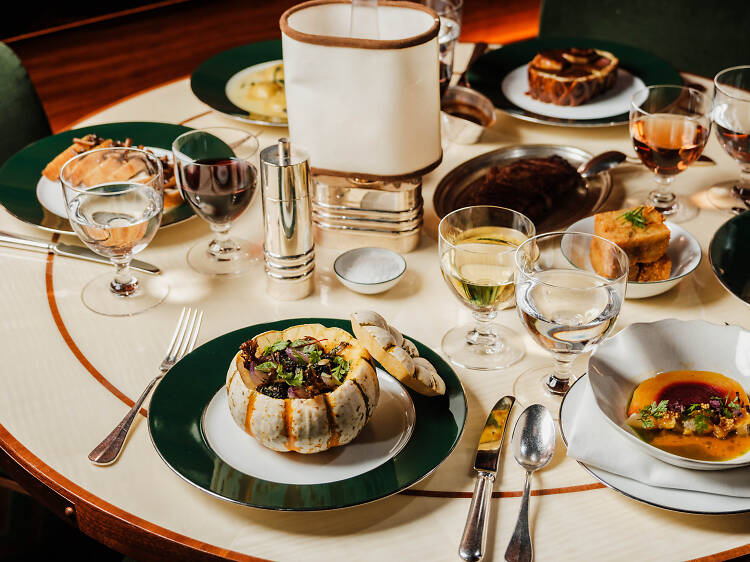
x=306, y=425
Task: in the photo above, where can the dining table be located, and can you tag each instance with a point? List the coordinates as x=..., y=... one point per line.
x=69, y=375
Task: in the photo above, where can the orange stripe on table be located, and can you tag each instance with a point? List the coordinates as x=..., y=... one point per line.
x=49, y=283
x=514, y=494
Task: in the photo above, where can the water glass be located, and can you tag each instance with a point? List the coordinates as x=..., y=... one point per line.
x=450, y=12
x=565, y=304
x=115, y=198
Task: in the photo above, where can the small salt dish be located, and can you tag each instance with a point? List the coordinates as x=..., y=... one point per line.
x=369, y=270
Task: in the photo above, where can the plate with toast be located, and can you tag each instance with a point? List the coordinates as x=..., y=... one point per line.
x=30, y=189
x=570, y=82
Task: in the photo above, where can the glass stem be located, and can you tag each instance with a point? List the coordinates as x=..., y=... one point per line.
x=662, y=198
x=742, y=189
x=124, y=284
x=222, y=247
x=483, y=333
x=559, y=381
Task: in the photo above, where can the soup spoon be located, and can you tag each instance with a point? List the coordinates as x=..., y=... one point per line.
x=533, y=445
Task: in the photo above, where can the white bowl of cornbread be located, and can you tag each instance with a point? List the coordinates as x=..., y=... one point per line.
x=661, y=253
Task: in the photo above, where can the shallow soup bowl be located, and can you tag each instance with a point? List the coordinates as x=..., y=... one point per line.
x=643, y=350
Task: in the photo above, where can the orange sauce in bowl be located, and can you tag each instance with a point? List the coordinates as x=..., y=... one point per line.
x=698, y=447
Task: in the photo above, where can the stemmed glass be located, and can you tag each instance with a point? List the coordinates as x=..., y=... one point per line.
x=115, y=198
x=731, y=115
x=565, y=304
x=450, y=13
x=477, y=245
x=670, y=126
x=215, y=175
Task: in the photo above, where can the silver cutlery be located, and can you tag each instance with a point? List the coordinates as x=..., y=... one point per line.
x=612, y=158
x=183, y=341
x=488, y=455
x=533, y=445
x=67, y=250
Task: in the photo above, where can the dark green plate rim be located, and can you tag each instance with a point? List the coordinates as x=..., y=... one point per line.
x=20, y=174
x=729, y=254
x=175, y=425
x=208, y=81
x=489, y=70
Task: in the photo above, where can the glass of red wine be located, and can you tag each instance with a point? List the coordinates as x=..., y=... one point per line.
x=670, y=126
x=731, y=115
x=216, y=175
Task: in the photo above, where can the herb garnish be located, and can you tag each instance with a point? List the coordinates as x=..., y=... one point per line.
x=278, y=346
x=341, y=368
x=651, y=412
x=635, y=217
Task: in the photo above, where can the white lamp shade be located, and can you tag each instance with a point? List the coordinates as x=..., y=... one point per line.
x=363, y=107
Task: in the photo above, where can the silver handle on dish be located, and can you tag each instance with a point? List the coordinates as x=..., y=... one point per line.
x=474, y=538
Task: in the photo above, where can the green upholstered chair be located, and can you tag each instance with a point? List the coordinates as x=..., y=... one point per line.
x=22, y=117
x=695, y=36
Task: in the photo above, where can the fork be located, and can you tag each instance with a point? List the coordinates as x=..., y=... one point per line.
x=183, y=341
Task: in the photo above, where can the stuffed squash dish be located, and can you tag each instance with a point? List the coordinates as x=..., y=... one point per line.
x=305, y=389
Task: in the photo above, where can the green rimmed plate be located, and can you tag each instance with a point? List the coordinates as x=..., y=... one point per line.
x=177, y=431
x=21, y=174
x=209, y=80
x=729, y=253
x=500, y=75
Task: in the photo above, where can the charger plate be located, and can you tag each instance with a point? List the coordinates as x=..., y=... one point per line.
x=685, y=501
x=21, y=174
x=209, y=80
x=500, y=71
x=177, y=424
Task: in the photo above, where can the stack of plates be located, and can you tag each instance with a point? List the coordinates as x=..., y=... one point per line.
x=369, y=213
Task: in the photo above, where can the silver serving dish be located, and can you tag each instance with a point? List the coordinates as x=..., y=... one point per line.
x=453, y=190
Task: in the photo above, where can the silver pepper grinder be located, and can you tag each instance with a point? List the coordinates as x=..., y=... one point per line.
x=287, y=221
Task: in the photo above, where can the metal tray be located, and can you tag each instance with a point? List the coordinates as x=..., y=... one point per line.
x=452, y=191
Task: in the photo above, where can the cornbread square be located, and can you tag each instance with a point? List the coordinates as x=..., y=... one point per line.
x=658, y=270
x=643, y=242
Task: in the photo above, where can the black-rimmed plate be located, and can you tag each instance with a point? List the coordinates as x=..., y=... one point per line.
x=176, y=424
x=21, y=175
x=729, y=253
x=673, y=499
x=501, y=76
x=209, y=80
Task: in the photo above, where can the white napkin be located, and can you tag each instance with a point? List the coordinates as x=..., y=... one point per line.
x=593, y=440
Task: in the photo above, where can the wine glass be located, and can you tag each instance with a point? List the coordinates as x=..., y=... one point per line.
x=450, y=13
x=115, y=198
x=565, y=304
x=670, y=126
x=476, y=246
x=731, y=115
x=215, y=175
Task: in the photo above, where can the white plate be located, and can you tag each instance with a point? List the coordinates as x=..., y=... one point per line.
x=683, y=250
x=382, y=438
x=50, y=193
x=616, y=101
x=643, y=350
x=666, y=498
x=230, y=92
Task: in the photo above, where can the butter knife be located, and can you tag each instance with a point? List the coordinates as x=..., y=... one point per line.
x=67, y=250
x=488, y=455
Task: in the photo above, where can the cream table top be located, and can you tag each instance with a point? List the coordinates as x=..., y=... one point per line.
x=54, y=409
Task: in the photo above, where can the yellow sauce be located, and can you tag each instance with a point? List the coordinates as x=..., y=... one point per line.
x=699, y=447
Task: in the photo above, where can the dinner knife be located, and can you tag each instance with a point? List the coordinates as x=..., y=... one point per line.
x=488, y=455
x=67, y=250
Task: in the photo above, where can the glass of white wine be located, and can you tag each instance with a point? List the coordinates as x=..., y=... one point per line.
x=477, y=246
x=115, y=199
x=565, y=304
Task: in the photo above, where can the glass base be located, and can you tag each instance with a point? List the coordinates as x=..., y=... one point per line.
x=678, y=209
x=531, y=388
x=506, y=351
x=233, y=263
x=98, y=297
x=724, y=196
